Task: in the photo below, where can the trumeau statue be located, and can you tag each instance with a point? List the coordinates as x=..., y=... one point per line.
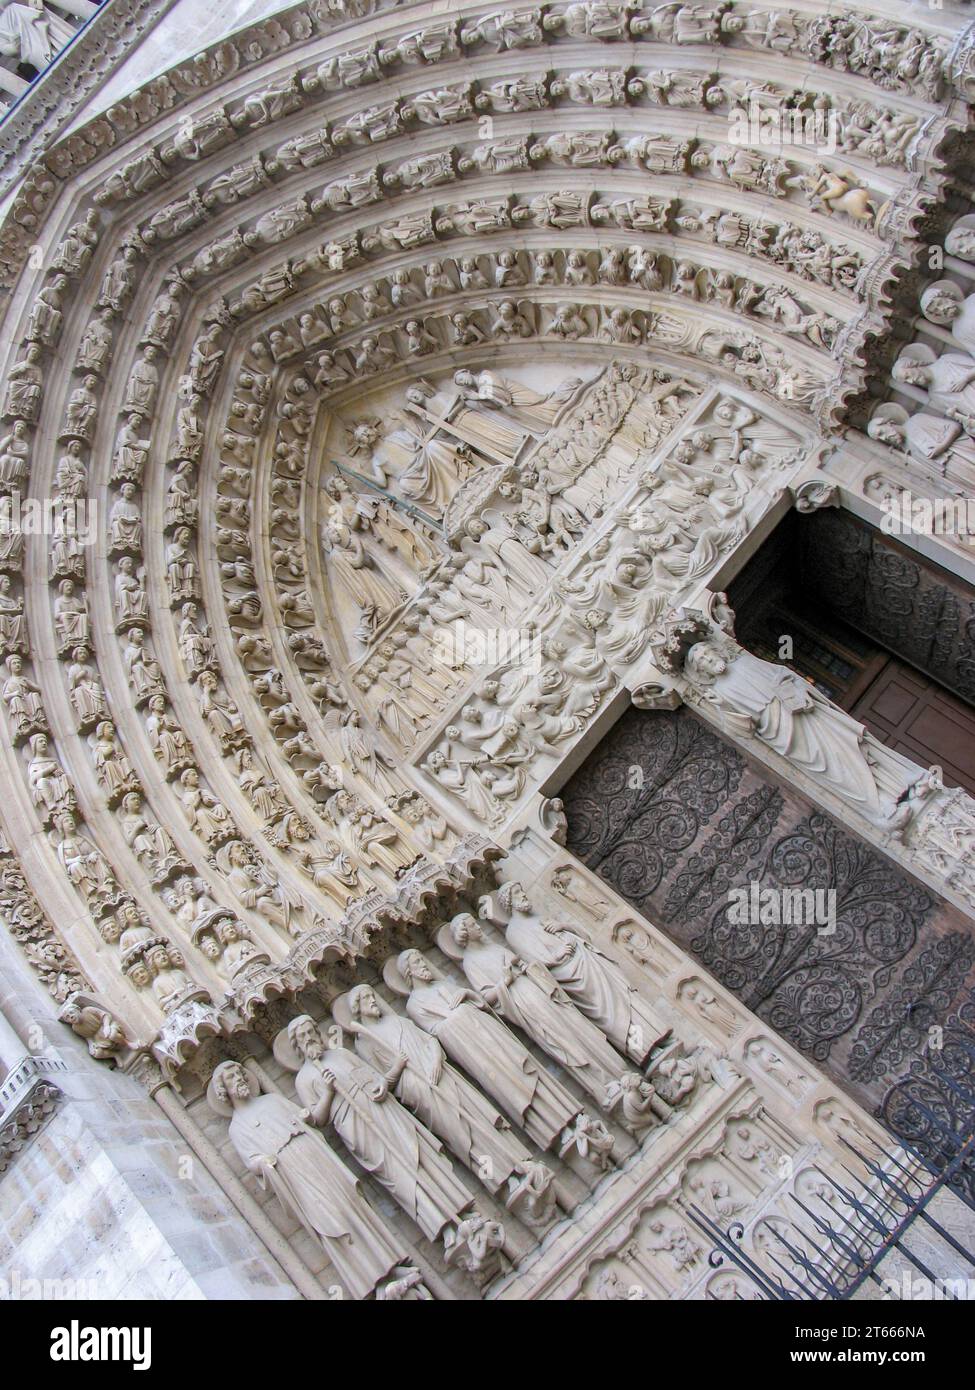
x=789, y=715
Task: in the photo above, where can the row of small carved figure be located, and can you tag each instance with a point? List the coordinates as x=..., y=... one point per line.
x=85, y=866
x=941, y=432
x=167, y=739
x=748, y=170
x=71, y=616
x=802, y=252
x=370, y=836
x=892, y=56
x=885, y=55
x=87, y=869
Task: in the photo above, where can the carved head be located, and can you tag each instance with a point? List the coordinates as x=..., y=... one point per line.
x=911, y=371
x=157, y=959
x=886, y=431
x=519, y=899
x=464, y=929
x=704, y=662
x=305, y=1037
x=230, y=1085
x=210, y=946
x=413, y=967
x=229, y=931
x=363, y=1003
x=940, y=308
x=139, y=974
x=960, y=241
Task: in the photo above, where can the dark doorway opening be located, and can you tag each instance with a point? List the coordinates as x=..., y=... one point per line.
x=879, y=629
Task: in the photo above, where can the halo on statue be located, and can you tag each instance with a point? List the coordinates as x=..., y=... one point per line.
x=446, y=942
x=393, y=974
x=342, y=1012
x=960, y=240
x=941, y=289
x=217, y=1097
x=915, y=354
x=283, y=1047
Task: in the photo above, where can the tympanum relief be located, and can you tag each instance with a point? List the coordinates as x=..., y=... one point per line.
x=567, y=519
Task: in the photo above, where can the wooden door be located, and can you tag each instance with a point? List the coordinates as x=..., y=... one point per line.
x=911, y=714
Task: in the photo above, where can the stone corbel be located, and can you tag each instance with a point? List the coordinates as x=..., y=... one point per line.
x=100, y=1029
x=812, y=494
x=657, y=694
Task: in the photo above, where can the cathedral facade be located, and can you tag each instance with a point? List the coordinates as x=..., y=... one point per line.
x=488, y=649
